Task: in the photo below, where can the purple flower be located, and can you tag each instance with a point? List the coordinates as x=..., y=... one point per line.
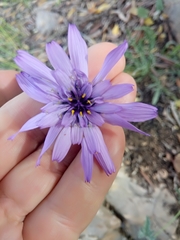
x=74, y=107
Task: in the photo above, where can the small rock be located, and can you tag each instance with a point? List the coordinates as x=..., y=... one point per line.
x=135, y=203
x=172, y=8
x=46, y=21
x=115, y=235
x=103, y=223
x=176, y=163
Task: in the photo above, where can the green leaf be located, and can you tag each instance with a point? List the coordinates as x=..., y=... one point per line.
x=159, y=5
x=143, y=12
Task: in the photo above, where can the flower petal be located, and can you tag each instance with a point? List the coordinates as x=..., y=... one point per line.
x=86, y=161
x=58, y=57
x=137, y=112
x=100, y=88
x=95, y=118
x=115, y=119
x=50, y=138
x=118, y=91
x=29, y=125
x=62, y=79
x=76, y=134
x=67, y=119
x=62, y=145
x=111, y=59
x=49, y=120
x=77, y=49
x=32, y=65
x=91, y=139
x=106, y=108
x=30, y=89
x=96, y=146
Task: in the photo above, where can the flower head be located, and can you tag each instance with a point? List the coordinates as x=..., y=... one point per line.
x=74, y=107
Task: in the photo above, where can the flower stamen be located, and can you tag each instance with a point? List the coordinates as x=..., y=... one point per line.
x=83, y=96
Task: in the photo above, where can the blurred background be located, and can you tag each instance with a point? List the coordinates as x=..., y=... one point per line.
x=144, y=201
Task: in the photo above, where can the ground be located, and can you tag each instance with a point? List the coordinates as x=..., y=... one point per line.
x=153, y=59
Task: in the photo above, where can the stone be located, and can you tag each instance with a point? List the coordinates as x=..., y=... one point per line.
x=134, y=204
x=103, y=223
x=46, y=21
x=172, y=8
x=115, y=235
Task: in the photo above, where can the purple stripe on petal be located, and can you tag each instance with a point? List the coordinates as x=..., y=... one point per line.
x=58, y=57
x=29, y=125
x=114, y=119
x=100, y=88
x=62, y=79
x=49, y=120
x=112, y=58
x=50, y=107
x=83, y=122
x=77, y=49
x=62, y=145
x=118, y=91
x=137, y=112
x=87, y=90
x=96, y=146
x=106, y=108
x=50, y=138
x=30, y=89
x=91, y=139
x=86, y=161
x=67, y=119
x=32, y=65
x=76, y=134
x=95, y=118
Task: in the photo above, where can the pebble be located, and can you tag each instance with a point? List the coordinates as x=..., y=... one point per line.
x=134, y=203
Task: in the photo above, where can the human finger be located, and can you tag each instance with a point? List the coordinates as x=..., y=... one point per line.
x=8, y=86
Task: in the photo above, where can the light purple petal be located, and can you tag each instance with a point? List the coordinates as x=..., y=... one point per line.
x=49, y=120
x=30, y=89
x=91, y=139
x=96, y=146
x=100, y=88
x=112, y=58
x=137, y=112
x=29, y=125
x=106, y=108
x=58, y=57
x=87, y=90
x=32, y=65
x=50, y=138
x=50, y=107
x=62, y=79
x=82, y=120
x=114, y=119
x=86, y=161
x=95, y=118
x=62, y=145
x=77, y=49
x=67, y=119
x=76, y=134
x=118, y=91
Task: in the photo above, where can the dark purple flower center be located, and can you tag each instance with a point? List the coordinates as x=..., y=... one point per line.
x=78, y=101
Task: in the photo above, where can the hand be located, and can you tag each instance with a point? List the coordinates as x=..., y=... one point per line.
x=51, y=201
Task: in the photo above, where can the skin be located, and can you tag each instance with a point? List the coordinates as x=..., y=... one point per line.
x=51, y=201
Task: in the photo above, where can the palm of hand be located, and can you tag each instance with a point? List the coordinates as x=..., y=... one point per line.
x=51, y=201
